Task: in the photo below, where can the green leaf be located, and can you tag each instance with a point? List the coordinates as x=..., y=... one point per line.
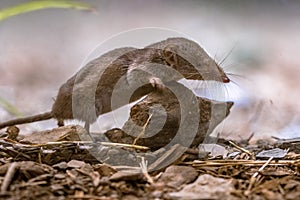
x=38, y=5
x=10, y=108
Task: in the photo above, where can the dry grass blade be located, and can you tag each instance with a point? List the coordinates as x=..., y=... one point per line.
x=125, y=145
x=144, y=168
x=90, y=142
x=218, y=163
x=143, y=131
x=243, y=150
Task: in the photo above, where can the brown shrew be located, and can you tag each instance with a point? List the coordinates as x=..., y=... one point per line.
x=166, y=116
x=95, y=82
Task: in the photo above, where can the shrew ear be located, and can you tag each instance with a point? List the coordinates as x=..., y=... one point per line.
x=170, y=55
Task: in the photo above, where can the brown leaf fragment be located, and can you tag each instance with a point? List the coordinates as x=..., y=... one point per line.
x=75, y=164
x=178, y=176
x=210, y=187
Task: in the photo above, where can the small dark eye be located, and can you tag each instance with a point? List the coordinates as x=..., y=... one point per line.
x=225, y=79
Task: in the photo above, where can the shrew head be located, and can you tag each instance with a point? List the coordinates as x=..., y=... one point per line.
x=189, y=59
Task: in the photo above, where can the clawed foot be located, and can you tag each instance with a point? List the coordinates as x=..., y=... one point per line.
x=87, y=128
x=157, y=83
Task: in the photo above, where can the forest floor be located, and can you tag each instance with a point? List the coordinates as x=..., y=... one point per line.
x=58, y=165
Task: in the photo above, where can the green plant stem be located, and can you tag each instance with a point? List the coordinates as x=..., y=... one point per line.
x=38, y=5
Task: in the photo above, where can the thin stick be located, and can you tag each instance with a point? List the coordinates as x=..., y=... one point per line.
x=243, y=150
x=9, y=176
x=256, y=176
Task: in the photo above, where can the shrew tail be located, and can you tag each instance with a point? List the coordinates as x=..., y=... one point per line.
x=24, y=120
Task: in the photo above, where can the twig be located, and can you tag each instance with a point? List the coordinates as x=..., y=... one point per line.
x=256, y=176
x=9, y=176
x=30, y=184
x=243, y=150
x=14, y=153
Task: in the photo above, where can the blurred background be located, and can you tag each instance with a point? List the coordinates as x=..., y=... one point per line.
x=259, y=39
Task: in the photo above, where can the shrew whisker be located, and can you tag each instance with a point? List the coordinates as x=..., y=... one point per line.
x=236, y=75
x=228, y=54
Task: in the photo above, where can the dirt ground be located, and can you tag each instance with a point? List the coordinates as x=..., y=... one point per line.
x=61, y=166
